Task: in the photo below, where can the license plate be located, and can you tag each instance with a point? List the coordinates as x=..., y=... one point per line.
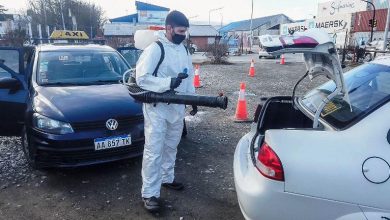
x=112, y=142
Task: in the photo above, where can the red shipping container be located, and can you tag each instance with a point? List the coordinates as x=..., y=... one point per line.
x=362, y=19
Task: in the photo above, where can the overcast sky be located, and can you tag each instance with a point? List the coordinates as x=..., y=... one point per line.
x=233, y=10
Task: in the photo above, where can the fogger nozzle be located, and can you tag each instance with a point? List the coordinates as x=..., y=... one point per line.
x=172, y=97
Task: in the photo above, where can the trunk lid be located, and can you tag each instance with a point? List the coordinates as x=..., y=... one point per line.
x=320, y=57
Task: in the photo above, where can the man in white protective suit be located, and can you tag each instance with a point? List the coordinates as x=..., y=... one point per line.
x=157, y=71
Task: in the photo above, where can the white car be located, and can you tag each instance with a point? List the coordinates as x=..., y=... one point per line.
x=324, y=155
x=264, y=54
x=193, y=48
x=374, y=46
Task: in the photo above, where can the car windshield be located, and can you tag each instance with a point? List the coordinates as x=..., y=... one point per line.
x=368, y=86
x=79, y=67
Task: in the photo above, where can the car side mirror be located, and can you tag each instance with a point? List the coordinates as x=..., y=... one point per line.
x=9, y=83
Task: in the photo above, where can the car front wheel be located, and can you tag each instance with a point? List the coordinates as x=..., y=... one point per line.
x=28, y=149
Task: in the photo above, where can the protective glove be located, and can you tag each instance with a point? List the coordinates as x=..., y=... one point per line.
x=194, y=110
x=176, y=81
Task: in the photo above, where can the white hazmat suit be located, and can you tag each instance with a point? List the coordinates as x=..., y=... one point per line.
x=163, y=122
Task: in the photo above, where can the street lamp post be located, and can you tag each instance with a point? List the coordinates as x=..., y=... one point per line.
x=251, y=32
x=195, y=16
x=211, y=10
x=373, y=19
x=221, y=20
x=188, y=32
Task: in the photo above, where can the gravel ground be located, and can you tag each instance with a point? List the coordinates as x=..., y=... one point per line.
x=112, y=191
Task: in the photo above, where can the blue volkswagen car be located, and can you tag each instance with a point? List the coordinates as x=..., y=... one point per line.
x=68, y=105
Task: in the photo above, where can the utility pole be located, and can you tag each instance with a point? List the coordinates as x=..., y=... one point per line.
x=386, y=30
x=251, y=32
x=211, y=10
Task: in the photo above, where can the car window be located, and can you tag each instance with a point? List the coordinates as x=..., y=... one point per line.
x=11, y=60
x=78, y=67
x=368, y=86
x=131, y=56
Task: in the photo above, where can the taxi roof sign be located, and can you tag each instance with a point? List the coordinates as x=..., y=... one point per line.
x=71, y=35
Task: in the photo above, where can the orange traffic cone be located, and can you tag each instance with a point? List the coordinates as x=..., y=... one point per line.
x=252, y=69
x=241, y=111
x=282, y=61
x=197, y=78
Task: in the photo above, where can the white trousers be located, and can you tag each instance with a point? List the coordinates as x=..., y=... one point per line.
x=161, y=140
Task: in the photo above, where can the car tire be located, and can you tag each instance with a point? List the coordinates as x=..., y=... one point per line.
x=28, y=149
x=260, y=57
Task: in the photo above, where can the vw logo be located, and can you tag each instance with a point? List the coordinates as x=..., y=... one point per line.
x=112, y=124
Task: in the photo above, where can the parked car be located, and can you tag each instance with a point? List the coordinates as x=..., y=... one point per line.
x=376, y=45
x=233, y=46
x=193, y=48
x=263, y=52
x=68, y=105
x=324, y=155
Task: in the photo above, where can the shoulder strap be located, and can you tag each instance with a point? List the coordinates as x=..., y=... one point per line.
x=186, y=49
x=161, y=57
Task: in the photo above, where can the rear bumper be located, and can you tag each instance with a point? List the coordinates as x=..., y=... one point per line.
x=263, y=198
x=265, y=54
x=75, y=150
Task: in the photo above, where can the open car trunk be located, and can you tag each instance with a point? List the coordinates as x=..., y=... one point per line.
x=278, y=113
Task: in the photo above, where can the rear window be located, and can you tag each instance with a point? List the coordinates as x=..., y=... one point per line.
x=131, y=56
x=368, y=86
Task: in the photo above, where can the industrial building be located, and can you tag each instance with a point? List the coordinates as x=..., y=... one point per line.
x=120, y=31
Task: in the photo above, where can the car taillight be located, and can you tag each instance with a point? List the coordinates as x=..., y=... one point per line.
x=268, y=163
